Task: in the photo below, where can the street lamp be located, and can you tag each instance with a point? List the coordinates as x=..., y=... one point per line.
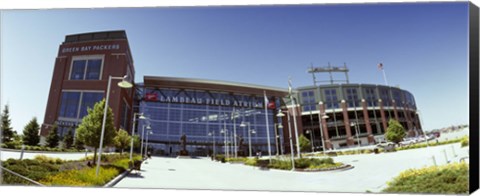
x=250, y=131
x=224, y=132
x=213, y=138
x=280, y=114
x=356, y=131
x=311, y=136
x=146, y=145
x=123, y=84
x=133, y=131
x=277, y=126
x=280, y=126
x=143, y=133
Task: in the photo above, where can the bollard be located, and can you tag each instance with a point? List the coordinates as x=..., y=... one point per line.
x=434, y=162
x=86, y=154
x=21, y=153
x=445, y=153
x=454, y=154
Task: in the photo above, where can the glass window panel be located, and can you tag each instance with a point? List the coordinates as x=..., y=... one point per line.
x=69, y=105
x=78, y=69
x=88, y=101
x=93, y=69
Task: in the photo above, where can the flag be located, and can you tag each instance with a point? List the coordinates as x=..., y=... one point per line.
x=380, y=66
x=268, y=104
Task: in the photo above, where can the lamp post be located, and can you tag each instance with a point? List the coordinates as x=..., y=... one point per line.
x=280, y=126
x=123, y=84
x=280, y=114
x=133, y=131
x=224, y=132
x=146, y=145
x=277, y=136
x=356, y=131
x=311, y=136
x=143, y=133
x=250, y=131
x=213, y=138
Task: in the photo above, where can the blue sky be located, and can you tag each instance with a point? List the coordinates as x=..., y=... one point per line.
x=423, y=46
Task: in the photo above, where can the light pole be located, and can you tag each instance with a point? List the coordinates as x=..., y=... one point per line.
x=143, y=133
x=277, y=126
x=224, y=132
x=280, y=114
x=250, y=131
x=123, y=84
x=213, y=138
x=311, y=136
x=133, y=131
x=356, y=131
x=146, y=145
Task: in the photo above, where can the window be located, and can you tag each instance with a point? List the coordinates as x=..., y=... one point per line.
x=86, y=69
x=308, y=101
x=73, y=102
x=370, y=97
x=352, y=97
x=69, y=104
x=331, y=100
x=88, y=101
x=385, y=96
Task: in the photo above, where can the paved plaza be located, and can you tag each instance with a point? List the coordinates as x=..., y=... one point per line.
x=370, y=172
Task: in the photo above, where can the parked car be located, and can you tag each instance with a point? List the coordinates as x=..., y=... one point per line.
x=386, y=146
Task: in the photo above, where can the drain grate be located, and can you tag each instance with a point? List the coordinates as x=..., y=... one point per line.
x=171, y=169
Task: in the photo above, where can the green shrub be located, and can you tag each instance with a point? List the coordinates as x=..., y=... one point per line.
x=220, y=157
x=281, y=164
x=84, y=177
x=45, y=159
x=239, y=159
x=447, y=179
x=30, y=168
x=251, y=161
x=464, y=142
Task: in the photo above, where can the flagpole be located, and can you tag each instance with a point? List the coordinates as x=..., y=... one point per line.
x=294, y=116
x=268, y=129
x=380, y=66
x=384, y=77
x=234, y=133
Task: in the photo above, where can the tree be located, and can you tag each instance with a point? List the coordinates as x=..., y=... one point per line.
x=395, y=131
x=53, y=138
x=7, y=131
x=122, y=140
x=30, y=133
x=89, y=130
x=77, y=143
x=68, y=139
x=136, y=142
x=304, y=143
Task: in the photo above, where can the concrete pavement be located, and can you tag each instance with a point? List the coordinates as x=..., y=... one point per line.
x=371, y=173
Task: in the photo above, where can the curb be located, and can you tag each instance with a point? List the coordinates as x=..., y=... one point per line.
x=117, y=179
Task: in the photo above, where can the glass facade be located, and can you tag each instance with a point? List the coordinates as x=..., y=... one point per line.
x=204, y=117
x=352, y=97
x=370, y=97
x=74, y=106
x=331, y=99
x=86, y=69
x=308, y=101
